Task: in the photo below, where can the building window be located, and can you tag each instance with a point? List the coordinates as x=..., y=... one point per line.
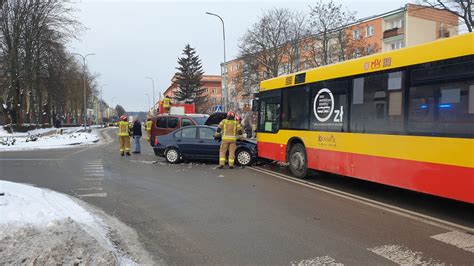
x=369, y=50
x=206, y=90
x=369, y=31
x=356, y=34
x=397, y=45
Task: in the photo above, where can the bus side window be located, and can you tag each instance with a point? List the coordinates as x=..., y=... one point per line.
x=377, y=103
x=442, y=108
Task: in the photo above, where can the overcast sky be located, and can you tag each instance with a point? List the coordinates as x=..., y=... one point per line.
x=136, y=39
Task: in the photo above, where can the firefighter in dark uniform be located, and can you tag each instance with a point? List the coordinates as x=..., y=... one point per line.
x=229, y=130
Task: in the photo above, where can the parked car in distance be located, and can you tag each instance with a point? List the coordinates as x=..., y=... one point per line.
x=164, y=124
x=198, y=143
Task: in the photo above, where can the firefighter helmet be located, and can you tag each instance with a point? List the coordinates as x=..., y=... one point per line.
x=230, y=114
x=123, y=117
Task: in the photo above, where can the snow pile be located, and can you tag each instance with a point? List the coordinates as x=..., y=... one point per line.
x=46, y=138
x=40, y=226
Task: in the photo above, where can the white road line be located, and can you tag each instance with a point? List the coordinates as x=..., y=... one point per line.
x=93, y=167
x=94, y=195
x=325, y=260
x=95, y=174
x=30, y=159
x=402, y=255
x=93, y=179
x=458, y=239
x=89, y=188
x=379, y=205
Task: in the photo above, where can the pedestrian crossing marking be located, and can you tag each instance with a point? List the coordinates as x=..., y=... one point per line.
x=325, y=260
x=402, y=255
x=458, y=239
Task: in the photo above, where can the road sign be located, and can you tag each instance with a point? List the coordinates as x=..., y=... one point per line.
x=217, y=108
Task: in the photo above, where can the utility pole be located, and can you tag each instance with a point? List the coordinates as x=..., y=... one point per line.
x=153, y=88
x=84, y=81
x=224, y=70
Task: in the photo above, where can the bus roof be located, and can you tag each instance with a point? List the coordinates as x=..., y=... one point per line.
x=452, y=47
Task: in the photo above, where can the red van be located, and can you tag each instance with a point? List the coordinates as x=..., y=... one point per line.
x=164, y=124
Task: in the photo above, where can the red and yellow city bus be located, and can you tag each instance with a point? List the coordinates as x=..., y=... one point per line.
x=403, y=118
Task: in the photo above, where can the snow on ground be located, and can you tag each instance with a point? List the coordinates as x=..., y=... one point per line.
x=46, y=138
x=40, y=226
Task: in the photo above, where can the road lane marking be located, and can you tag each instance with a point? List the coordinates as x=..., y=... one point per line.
x=94, y=195
x=379, y=205
x=31, y=159
x=93, y=179
x=403, y=256
x=458, y=239
x=89, y=188
x=325, y=260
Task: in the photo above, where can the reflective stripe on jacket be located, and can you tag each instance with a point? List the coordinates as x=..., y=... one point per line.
x=231, y=129
x=123, y=128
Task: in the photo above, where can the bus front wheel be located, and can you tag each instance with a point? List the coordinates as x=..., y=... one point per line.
x=298, y=161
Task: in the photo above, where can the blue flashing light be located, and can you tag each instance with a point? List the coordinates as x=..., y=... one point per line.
x=423, y=106
x=445, y=106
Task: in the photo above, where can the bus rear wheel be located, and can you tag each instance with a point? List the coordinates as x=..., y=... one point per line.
x=298, y=161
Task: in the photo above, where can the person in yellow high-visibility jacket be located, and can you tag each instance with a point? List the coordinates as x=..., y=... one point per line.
x=124, y=135
x=229, y=130
x=148, y=124
x=167, y=104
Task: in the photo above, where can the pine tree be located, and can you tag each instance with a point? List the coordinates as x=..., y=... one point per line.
x=188, y=77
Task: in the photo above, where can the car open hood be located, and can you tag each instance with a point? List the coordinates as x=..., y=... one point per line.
x=215, y=119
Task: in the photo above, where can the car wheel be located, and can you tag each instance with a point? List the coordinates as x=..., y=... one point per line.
x=172, y=155
x=243, y=157
x=298, y=161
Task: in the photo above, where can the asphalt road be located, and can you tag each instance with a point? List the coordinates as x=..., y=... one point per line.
x=195, y=214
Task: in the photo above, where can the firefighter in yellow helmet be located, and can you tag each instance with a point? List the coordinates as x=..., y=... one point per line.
x=148, y=124
x=167, y=104
x=124, y=135
x=229, y=130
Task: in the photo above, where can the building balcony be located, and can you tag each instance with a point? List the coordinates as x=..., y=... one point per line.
x=393, y=32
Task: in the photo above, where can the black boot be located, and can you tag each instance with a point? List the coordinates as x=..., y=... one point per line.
x=231, y=167
x=128, y=153
x=122, y=154
x=220, y=167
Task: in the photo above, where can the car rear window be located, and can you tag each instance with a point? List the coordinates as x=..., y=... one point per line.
x=172, y=122
x=161, y=122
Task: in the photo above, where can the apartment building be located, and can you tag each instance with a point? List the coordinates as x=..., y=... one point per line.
x=406, y=26
x=212, y=91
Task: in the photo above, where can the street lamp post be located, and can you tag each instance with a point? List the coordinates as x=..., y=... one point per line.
x=224, y=74
x=148, y=101
x=153, y=88
x=84, y=81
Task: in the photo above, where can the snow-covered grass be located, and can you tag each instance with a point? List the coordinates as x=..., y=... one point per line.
x=42, y=226
x=46, y=138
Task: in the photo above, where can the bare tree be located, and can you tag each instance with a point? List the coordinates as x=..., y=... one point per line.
x=34, y=34
x=461, y=8
x=332, y=39
x=271, y=45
